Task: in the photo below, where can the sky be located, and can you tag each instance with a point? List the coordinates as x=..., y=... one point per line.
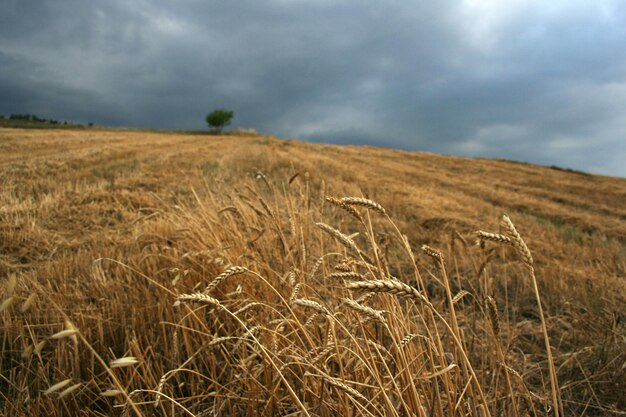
x=536, y=81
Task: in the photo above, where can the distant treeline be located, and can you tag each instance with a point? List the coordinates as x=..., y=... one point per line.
x=34, y=119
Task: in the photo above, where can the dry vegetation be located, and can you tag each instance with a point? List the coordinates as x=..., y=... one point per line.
x=184, y=275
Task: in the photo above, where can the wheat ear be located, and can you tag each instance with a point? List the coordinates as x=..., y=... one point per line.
x=364, y=202
x=229, y=272
x=338, y=383
x=346, y=275
x=337, y=202
x=517, y=241
x=433, y=253
x=494, y=318
x=393, y=287
x=69, y=390
x=343, y=239
x=365, y=310
x=198, y=298
x=493, y=237
x=312, y=304
x=58, y=386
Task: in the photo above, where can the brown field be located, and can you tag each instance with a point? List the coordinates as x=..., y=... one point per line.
x=111, y=242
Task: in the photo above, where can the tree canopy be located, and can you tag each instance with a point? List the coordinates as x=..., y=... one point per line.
x=219, y=118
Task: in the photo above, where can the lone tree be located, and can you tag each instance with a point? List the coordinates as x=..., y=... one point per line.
x=218, y=119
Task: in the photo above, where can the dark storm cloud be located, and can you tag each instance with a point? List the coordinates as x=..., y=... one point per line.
x=520, y=80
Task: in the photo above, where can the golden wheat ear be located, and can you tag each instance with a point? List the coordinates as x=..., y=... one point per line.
x=364, y=202
x=516, y=240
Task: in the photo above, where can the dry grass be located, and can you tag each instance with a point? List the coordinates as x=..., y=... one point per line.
x=187, y=275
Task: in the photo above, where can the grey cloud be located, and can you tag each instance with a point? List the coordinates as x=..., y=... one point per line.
x=32, y=89
x=535, y=84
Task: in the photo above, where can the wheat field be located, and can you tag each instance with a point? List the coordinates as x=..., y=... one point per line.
x=168, y=274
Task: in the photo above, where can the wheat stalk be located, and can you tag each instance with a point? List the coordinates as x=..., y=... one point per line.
x=229, y=208
x=527, y=258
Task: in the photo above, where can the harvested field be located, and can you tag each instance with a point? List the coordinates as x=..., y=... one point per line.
x=168, y=274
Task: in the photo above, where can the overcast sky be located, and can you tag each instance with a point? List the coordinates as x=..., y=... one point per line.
x=536, y=81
